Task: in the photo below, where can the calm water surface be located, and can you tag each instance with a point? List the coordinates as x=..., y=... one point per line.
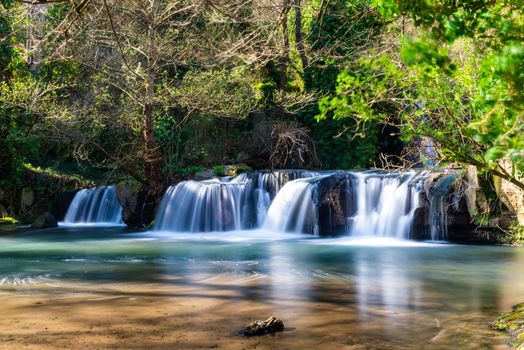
x=399, y=292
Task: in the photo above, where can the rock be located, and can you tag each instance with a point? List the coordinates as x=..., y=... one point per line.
x=476, y=201
x=137, y=208
x=513, y=323
x=235, y=169
x=443, y=185
x=62, y=202
x=46, y=220
x=207, y=174
x=258, y=327
x=333, y=206
x=509, y=194
x=27, y=197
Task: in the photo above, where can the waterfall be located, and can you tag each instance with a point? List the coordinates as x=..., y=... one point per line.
x=385, y=204
x=226, y=204
x=206, y=206
x=368, y=203
x=293, y=209
x=97, y=205
x=437, y=219
x=371, y=203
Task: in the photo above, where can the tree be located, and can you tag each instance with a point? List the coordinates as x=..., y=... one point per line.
x=458, y=81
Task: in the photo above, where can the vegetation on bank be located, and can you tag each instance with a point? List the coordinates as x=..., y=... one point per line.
x=97, y=90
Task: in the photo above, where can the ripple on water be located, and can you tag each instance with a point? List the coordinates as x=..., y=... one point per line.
x=21, y=279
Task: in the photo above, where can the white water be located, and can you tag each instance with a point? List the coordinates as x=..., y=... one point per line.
x=292, y=208
x=205, y=206
x=386, y=204
x=94, y=206
x=230, y=204
x=376, y=204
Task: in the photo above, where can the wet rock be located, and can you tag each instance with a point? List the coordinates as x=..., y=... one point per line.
x=62, y=202
x=513, y=323
x=258, y=327
x=46, y=220
x=137, y=207
x=332, y=200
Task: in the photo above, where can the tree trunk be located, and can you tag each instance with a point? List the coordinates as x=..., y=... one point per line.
x=298, y=35
x=152, y=155
x=284, y=58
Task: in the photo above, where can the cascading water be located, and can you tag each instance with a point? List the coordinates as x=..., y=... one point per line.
x=367, y=203
x=205, y=206
x=293, y=209
x=97, y=205
x=375, y=204
x=228, y=204
x=385, y=204
x=267, y=184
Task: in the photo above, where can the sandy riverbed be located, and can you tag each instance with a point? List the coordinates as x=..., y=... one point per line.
x=206, y=314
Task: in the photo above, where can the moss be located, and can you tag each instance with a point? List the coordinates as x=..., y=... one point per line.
x=190, y=170
x=231, y=170
x=8, y=221
x=219, y=170
x=513, y=323
x=514, y=235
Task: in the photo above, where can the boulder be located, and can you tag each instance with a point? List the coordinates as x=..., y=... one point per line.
x=203, y=175
x=476, y=201
x=137, y=207
x=332, y=202
x=46, y=220
x=510, y=194
x=512, y=323
x=258, y=327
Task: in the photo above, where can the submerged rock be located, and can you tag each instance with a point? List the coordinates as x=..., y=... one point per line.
x=513, y=323
x=46, y=220
x=258, y=327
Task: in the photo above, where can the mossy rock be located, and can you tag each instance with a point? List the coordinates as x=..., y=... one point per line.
x=46, y=220
x=231, y=170
x=513, y=323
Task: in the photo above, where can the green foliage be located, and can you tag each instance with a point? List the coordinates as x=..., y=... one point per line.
x=219, y=170
x=219, y=92
x=462, y=92
x=497, y=28
x=190, y=170
x=514, y=234
x=8, y=221
x=342, y=31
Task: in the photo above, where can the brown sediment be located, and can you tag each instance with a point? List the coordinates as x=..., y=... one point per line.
x=208, y=314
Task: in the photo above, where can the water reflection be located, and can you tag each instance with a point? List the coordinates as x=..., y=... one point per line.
x=402, y=293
